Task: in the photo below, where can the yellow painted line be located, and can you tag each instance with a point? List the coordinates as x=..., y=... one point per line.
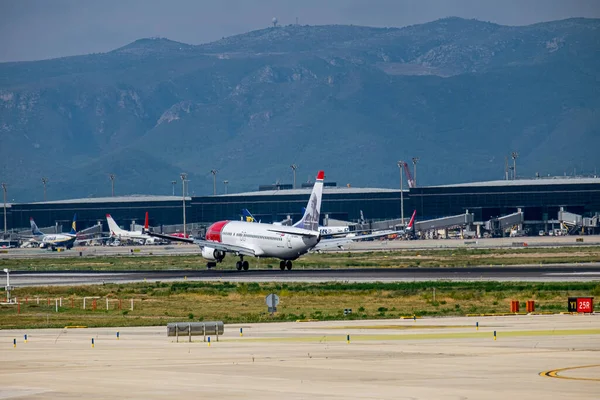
x=424, y=336
x=554, y=373
x=75, y=327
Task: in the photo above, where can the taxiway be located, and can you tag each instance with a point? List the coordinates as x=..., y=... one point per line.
x=534, y=357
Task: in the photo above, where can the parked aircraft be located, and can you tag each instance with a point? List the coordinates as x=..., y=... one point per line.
x=409, y=231
x=122, y=234
x=339, y=243
x=176, y=234
x=252, y=239
x=54, y=241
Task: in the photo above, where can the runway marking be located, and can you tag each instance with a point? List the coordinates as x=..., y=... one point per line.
x=590, y=273
x=423, y=336
x=399, y=327
x=554, y=373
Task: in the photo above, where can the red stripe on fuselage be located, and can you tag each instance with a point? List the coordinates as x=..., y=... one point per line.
x=213, y=232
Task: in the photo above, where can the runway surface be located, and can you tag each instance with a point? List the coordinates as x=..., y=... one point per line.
x=534, y=357
x=546, y=273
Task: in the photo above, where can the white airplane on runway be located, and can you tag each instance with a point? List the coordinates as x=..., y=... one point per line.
x=262, y=240
x=122, y=234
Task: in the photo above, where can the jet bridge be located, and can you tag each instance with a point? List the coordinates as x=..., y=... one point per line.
x=511, y=220
x=575, y=222
x=446, y=222
x=570, y=219
x=91, y=230
x=500, y=224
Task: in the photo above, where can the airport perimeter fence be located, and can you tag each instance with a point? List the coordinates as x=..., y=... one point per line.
x=61, y=304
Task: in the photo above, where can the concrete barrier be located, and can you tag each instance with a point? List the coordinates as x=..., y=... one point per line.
x=196, y=328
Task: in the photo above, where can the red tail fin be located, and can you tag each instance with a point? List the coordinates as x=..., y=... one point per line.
x=146, y=221
x=412, y=220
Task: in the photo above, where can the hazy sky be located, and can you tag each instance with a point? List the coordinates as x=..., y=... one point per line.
x=38, y=29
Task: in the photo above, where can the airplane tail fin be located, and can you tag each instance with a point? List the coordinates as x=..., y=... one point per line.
x=310, y=219
x=412, y=220
x=112, y=225
x=74, y=225
x=146, y=224
x=247, y=216
x=34, y=228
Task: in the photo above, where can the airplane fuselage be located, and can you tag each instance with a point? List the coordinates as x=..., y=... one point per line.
x=130, y=235
x=262, y=239
x=57, y=240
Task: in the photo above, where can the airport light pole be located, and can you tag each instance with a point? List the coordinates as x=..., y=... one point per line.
x=112, y=183
x=173, y=183
x=514, y=156
x=214, y=172
x=401, y=165
x=44, y=182
x=225, y=182
x=183, y=178
x=415, y=160
x=7, y=272
x=4, y=190
x=294, y=167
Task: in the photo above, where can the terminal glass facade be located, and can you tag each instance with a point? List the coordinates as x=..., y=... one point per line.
x=538, y=202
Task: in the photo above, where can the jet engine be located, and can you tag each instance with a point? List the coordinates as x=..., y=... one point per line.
x=212, y=254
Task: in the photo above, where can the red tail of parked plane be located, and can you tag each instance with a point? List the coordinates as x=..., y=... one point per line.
x=412, y=221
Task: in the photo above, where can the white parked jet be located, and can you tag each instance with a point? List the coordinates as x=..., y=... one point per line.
x=262, y=240
x=122, y=234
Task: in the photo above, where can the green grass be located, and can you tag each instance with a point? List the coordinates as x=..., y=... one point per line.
x=158, y=303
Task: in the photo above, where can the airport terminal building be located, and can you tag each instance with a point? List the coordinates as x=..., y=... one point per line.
x=539, y=200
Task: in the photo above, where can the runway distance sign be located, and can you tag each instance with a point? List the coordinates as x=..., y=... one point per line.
x=581, y=304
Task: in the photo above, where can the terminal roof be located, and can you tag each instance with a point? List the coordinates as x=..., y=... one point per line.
x=525, y=182
x=326, y=190
x=117, y=199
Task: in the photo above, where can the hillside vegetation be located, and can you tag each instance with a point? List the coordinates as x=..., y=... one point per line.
x=460, y=94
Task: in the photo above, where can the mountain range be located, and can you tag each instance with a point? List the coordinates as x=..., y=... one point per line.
x=459, y=94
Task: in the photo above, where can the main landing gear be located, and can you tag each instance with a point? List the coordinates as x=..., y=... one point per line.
x=283, y=264
x=242, y=264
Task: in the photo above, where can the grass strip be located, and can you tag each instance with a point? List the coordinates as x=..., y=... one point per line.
x=157, y=303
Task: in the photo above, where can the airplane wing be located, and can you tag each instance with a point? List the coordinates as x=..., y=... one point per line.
x=329, y=244
x=294, y=232
x=169, y=237
x=228, y=248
